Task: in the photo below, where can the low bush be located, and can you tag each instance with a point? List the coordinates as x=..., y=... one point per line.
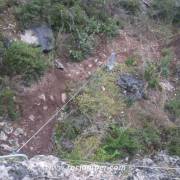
x=102, y=96
x=166, y=59
x=166, y=10
x=3, y=4
x=172, y=140
x=72, y=17
x=22, y=59
x=33, y=12
x=131, y=6
x=122, y=142
x=8, y=107
x=174, y=106
x=151, y=75
x=131, y=61
x=119, y=143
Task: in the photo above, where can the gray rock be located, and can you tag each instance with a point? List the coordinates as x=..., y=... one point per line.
x=14, y=143
x=67, y=145
x=132, y=86
x=18, y=132
x=58, y=64
x=6, y=147
x=8, y=129
x=3, y=136
x=30, y=37
x=50, y=167
x=111, y=61
x=45, y=37
x=39, y=36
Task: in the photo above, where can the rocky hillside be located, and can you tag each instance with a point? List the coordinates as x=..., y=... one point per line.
x=160, y=166
x=90, y=81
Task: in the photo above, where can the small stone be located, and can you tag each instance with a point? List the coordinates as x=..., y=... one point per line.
x=167, y=86
x=31, y=117
x=18, y=132
x=103, y=88
x=2, y=124
x=63, y=97
x=90, y=65
x=52, y=98
x=29, y=37
x=42, y=97
x=8, y=129
x=45, y=108
x=14, y=143
x=7, y=148
x=3, y=136
x=67, y=145
x=58, y=65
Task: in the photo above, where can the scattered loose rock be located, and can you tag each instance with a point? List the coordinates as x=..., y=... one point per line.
x=39, y=36
x=58, y=65
x=29, y=37
x=18, y=132
x=31, y=117
x=63, y=97
x=132, y=86
x=50, y=167
x=45, y=37
x=42, y=97
x=167, y=86
x=3, y=136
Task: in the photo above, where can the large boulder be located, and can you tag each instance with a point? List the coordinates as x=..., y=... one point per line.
x=39, y=36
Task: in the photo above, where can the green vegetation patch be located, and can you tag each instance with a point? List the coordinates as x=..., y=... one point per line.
x=102, y=96
x=131, y=6
x=73, y=17
x=125, y=142
x=8, y=106
x=22, y=59
x=166, y=10
x=174, y=106
x=151, y=75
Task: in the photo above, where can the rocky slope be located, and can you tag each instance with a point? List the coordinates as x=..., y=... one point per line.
x=158, y=167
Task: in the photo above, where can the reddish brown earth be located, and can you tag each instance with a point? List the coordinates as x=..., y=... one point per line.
x=37, y=109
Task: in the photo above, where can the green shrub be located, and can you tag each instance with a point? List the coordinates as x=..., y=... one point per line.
x=122, y=142
x=8, y=106
x=33, y=12
x=165, y=62
x=73, y=17
x=22, y=59
x=3, y=4
x=2, y=51
x=119, y=143
x=130, y=61
x=82, y=45
x=149, y=138
x=172, y=141
x=131, y=6
x=94, y=100
x=174, y=106
x=165, y=10
x=151, y=75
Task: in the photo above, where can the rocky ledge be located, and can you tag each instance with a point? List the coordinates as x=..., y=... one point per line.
x=158, y=167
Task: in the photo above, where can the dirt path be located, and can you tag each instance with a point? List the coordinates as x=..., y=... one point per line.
x=41, y=100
